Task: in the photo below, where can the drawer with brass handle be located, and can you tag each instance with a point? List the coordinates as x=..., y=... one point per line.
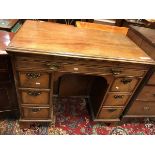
x=142, y=108
x=35, y=113
x=35, y=97
x=34, y=80
x=115, y=99
x=124, y=84
x=110, y=113
x=127, y=72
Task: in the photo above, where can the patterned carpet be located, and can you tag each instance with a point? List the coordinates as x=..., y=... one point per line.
x=72, y=118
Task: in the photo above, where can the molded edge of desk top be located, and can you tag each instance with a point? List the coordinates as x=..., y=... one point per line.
x=57, y=39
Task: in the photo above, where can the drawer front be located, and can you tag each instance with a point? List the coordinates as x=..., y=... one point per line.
x=147, y=94
x=110, y=113
x=84, y=69
x=142, y=108
x=76, y=68
x=4, y=76
x=35, y=97
x=34, y=79
x=152, y=79
x=116, y=99
x=79, y=67
x=35, y=113
x=124, y=84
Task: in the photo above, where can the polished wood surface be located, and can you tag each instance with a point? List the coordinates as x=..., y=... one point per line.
x=56, y=39
x=101, y=27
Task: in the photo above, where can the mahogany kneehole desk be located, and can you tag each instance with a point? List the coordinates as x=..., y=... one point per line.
x=42, y=53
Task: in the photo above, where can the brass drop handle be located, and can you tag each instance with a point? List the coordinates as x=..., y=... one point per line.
x=126, y=81
x=53, y=67
x=34, y=93
x=33, y=75
x=118, y=96
x=35, y=109
x=146, y=108
x=116, y=71
x=111, y=110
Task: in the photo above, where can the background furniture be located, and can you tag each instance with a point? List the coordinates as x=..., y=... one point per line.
x=8, y=101
x=9, y=24
x=113, y=63
x=143, y=104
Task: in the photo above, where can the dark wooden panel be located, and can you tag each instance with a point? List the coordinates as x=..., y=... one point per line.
x=75, y=85
x=7, y=97
x=99, y=88
x=4, y=76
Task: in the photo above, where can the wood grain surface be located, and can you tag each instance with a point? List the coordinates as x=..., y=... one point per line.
x=58, y=39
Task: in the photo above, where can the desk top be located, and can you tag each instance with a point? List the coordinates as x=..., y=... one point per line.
x=58, y=39
x=5, y=38
x=147, y=33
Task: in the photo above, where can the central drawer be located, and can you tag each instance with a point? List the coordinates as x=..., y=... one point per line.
x=78, y=67
x=35, y=97
x=124, y=84
x=35, y=113
x=147, y=94
x=110, y=113
x=34, y=80
x=115, y=99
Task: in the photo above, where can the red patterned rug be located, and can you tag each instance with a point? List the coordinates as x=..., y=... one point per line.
x=72, y=118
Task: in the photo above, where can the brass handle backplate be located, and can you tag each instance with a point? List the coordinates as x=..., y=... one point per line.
x=146, y=108
x=35, y=109
x=33, y=75
x=126, y=81
x=53, y=67
x=33, y=93
x=111, y=110
x=118, y=96
x=116, y=71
